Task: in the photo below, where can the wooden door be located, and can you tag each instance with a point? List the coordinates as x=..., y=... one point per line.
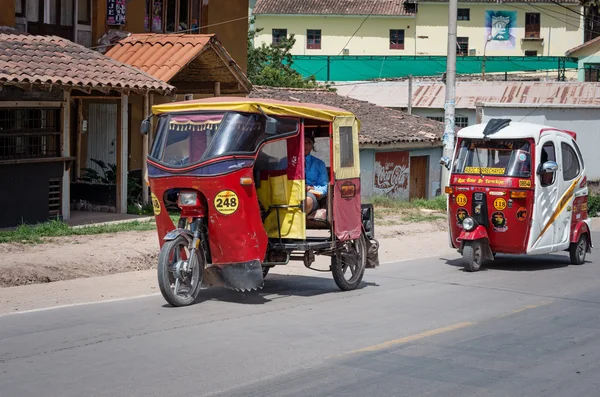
x=418, y=177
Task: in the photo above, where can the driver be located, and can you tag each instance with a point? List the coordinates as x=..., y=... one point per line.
x=316, y=176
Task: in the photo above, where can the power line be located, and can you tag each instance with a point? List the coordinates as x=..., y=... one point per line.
x=353, y=34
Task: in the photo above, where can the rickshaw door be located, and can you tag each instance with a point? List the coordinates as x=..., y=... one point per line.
x=346, y=179
x=547, y=186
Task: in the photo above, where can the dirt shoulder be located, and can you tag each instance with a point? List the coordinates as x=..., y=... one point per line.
x=83, y=269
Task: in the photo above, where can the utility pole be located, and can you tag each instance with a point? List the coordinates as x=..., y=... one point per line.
x=450, y=88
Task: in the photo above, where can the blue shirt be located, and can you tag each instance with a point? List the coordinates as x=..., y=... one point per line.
x=316, y=174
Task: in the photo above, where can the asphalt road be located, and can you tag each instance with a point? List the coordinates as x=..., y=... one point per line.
x=522, y=327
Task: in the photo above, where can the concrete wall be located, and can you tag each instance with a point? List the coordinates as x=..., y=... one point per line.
x=367, y=167
x=373, y=38
x=584, y=121
x=425, y=112
x=560, y=28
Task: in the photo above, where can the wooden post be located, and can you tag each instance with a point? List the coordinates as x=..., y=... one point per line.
x=79, y=132
x=66, y=152
x=217, y=88
x=122, y=156
x=145, y=139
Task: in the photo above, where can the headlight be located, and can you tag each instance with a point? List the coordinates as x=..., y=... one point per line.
x=469, y=224
x=188, y=198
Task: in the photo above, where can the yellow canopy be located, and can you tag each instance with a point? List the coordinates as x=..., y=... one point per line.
x=250, y=105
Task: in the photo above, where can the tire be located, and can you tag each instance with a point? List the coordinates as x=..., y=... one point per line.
x=339, y=267
x=577, y=251
x=473, y=255
x=265, y=270
x=166, y=275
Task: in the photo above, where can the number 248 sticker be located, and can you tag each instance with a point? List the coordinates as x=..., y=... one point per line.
x=226, y=202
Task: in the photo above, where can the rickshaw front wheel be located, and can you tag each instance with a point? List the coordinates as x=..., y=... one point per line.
x=349, y=263
x=577, y=251
x=178, y=286
x=473, y=255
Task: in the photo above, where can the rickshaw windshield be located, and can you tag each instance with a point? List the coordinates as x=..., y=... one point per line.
x=494, y=157
x=183, y=140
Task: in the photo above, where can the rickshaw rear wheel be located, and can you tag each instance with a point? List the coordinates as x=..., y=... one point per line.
x=265, y=270
x=189, y=283
x=351, y=256
x=577, y=251
x=473, y=255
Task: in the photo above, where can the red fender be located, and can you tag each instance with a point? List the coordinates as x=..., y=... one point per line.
x=580, y=228
x=477, y=234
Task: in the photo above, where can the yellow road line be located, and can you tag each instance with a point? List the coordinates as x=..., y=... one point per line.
x=412, y=338
x=437, y=331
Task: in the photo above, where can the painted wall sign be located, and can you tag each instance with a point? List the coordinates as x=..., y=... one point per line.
x=391, y=174
x=500, y=26
x=115, y=12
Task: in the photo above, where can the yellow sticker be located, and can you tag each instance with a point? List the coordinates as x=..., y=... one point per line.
x=524, y=183
x=485, y=170
x=226, y=202
x=500, y=204
x=461, y=200
x=155, y=204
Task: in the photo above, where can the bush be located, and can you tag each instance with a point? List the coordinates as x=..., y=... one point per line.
x=593, y=204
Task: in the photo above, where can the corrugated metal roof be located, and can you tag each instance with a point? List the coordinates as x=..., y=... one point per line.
x=379, y=125
x=165, y=55
x=468, y=94
x=331, y=7
x=54, y=61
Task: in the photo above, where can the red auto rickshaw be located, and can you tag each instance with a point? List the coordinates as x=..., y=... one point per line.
x=233, y=171
x=517, y=188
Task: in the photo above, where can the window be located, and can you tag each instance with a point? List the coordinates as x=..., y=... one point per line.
x=591, y=72
x=30, y=133
x=531, y=53
x=168, y=16
x=20, y=6
x=396, y=39
x=462, y=46
x=461, y=122
x=464, y=14
x=532, y=25
x=570, y=162
x=273, y=156
x=548, y=154
x=83, y=12
x=278, y=34
x=495, y=157
x=313, y=39
x=346, y=147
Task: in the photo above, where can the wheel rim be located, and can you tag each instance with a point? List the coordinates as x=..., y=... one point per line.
x=351, y=259
x=181, y=282
x=581, y=248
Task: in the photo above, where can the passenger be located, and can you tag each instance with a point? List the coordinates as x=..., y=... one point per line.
x=316, y=177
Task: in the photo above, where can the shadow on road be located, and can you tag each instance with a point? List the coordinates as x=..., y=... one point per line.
x=519, y=263
x=275, y=284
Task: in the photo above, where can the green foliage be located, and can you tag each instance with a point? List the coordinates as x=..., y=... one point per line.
x=593, y=204
x=271, y=65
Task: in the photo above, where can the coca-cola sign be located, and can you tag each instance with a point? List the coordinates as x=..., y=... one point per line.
x=392, y=174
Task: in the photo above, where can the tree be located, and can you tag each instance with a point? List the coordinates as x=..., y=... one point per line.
x=271, y=65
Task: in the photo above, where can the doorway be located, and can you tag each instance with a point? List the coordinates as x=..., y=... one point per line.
x=418, y=177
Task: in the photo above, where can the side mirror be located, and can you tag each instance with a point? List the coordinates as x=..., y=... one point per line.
x=547, y=167
x=271, y=126
x=445, y=161
x=145, y=126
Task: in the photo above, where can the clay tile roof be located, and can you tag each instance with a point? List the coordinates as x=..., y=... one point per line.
x=53, y=61
x=582, y=46
x=332, y=7
x=165, y=55
x=379, y=125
